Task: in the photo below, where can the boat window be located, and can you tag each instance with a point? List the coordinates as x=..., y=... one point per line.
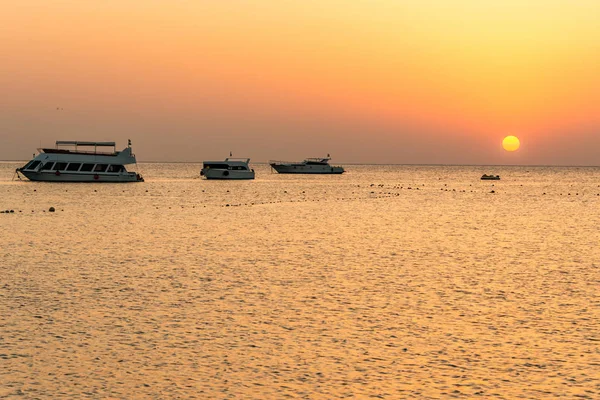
x=217, y=166
x=32, y=165
x=87, y=167
x=60, y=166
x=73, y=166
x=48, y=165
x=115, y=168
x=100, y=167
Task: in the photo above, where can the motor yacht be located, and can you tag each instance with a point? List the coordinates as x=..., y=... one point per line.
x=308, y=166
x=230, y=168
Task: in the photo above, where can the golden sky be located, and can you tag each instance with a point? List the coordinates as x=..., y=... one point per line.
x=368, y=81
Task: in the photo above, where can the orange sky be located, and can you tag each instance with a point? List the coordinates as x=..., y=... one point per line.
x=368, y=81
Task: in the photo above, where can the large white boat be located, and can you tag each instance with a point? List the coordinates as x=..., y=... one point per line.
x=231, y=168
x=308, y=166
x=68, y=162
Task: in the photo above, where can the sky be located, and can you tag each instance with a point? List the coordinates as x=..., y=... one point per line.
x=368, y=81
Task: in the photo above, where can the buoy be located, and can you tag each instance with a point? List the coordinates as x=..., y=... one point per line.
x=51, y=209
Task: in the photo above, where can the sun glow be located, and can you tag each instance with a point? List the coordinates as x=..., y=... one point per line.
x=511, y=143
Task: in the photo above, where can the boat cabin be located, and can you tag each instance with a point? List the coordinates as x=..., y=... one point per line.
x=316, y=161
x=230, y=164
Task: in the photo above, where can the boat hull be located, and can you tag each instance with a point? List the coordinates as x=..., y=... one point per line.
x=307, y=169
x=225, y=174
x=52, y=176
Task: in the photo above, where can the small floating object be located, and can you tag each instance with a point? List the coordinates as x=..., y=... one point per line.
x=486, y=177
x=51, y=209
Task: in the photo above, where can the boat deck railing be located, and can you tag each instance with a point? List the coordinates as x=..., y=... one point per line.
x=85, y=152
x=283, y=162
x=232, y=159
x=310, y=159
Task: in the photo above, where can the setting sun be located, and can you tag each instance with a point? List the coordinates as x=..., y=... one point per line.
x=511, y=143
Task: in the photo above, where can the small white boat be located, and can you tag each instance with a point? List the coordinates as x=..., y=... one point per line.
x=308, y=166
x=230, y=168
x=68, y=163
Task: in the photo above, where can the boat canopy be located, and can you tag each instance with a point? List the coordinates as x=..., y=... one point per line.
x=77, y=143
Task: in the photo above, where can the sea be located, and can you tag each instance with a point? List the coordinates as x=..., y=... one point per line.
x=386, y=282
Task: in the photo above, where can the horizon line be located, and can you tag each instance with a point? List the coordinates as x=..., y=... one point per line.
x=382, y=164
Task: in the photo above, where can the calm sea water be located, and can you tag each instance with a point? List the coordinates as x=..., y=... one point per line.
x=385, y=282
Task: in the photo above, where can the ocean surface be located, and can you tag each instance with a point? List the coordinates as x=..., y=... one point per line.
x=393, y=282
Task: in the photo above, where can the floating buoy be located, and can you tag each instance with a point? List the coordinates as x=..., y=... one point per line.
x=51, y=209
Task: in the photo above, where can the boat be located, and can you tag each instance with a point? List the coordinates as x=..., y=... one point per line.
x=485, y=177
x=308, y=166
x=230, y=168
x=75, y=161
